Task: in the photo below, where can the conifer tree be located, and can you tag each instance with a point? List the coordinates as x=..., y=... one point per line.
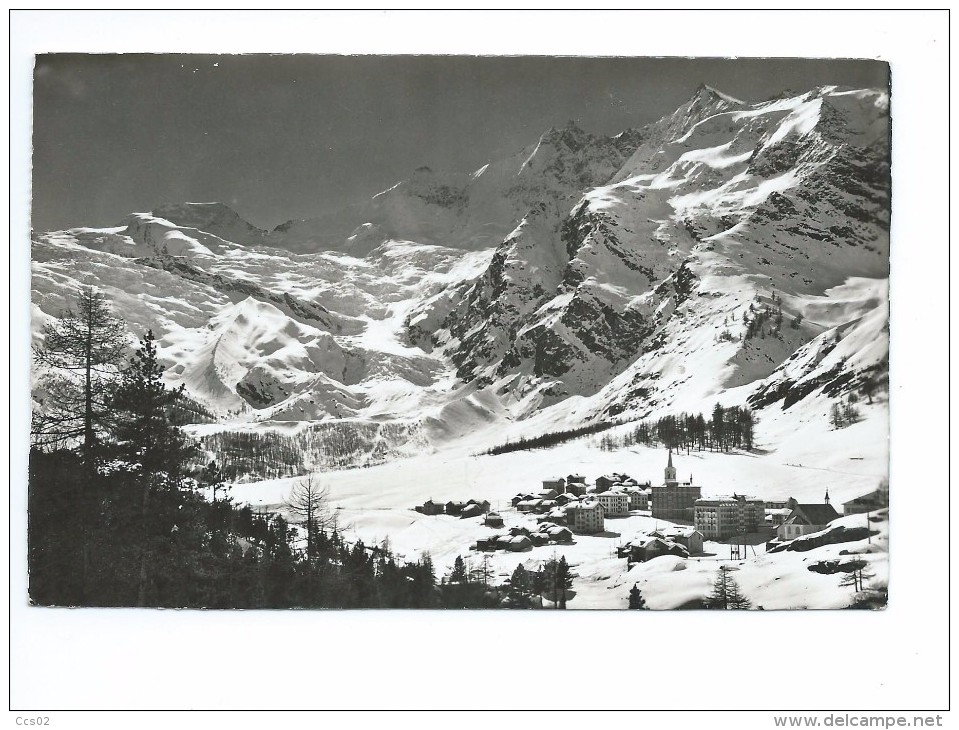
x=309, y=500
x=145, y=431
x=459, y=571
x=84, y=349
x=726, y=593
x=148, y=438
x=520, y=588
x=636, y=600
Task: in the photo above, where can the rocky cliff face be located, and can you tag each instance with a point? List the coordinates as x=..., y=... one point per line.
x=723, y=209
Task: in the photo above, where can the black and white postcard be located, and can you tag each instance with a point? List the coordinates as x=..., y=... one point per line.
x=459, y=332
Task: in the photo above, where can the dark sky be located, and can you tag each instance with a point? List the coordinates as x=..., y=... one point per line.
x=280, y=137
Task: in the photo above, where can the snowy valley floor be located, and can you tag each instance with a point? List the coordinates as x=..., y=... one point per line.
x=376, y=504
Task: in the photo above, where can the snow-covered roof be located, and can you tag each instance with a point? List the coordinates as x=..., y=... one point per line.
x=817, y=514
x=677, y=532
x=585, y=504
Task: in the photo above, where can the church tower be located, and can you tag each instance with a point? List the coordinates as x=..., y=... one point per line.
x=827, y=495
x=670, y=470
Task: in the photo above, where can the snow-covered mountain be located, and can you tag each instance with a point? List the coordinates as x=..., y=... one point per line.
x=470, y=211
x=723, y=209
x=730, y=252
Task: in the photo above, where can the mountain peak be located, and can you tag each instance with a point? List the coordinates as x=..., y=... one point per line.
x=571, y=135
x=216, y=218
x=708, y=92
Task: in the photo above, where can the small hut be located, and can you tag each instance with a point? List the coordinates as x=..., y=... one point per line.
x=520, y=543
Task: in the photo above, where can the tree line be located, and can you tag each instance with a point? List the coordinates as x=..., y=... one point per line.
x=119, y=513
x=341, y=444
x=725, y=429
x=469, y=585
x=554, y=438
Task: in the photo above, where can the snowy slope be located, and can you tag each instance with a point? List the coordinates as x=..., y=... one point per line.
x=581, y=279
x=725, y=208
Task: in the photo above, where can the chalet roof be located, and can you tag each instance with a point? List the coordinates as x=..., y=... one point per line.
x=871, y=498
x=585, y=504
x=817, y=514
x=610, y=493
x=669, y=532
x=705, y=501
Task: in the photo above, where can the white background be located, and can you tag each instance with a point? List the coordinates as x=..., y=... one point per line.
x=843, y=661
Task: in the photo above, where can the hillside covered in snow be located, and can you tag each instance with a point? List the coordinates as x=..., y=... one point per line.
x=731, y=252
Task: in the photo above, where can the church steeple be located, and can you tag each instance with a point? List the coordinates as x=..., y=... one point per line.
x=670, y=469
x=827, y=495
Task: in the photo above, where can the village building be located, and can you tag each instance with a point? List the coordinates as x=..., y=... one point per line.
x=493, y=519
x=576, y=479
x=878, y=499
x=806, y=519
x=721, y=517
x=776, y=516
x=558, y=533
x=521, y=497
x=528, y=505
x=455, y=508
x=608, y=480
x=587, y=516
x=638, y=497
x=558, y=484
x=483, y=504
x=519, y=543
x=787, y=504
x=557, y=514
x=577, y=490
x=690, y=538
x=615, y=504
x=486, y=543
x=648, y=547
x=471, y=510
x=429, y=507
x=674, y=500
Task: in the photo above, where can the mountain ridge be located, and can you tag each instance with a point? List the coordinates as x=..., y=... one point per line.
x=583, y=278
